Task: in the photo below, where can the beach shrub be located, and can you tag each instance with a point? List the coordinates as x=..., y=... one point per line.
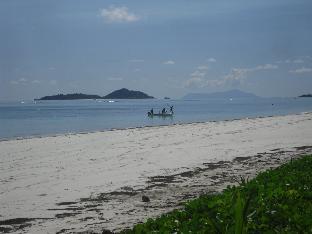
x=276, y=201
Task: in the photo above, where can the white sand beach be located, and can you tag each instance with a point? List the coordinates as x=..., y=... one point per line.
x=96, y=180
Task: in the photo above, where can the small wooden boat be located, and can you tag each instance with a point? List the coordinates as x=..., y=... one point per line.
x=160, y=114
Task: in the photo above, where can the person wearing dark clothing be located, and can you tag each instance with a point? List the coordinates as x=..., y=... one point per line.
x=163, y=111
x=171, y=109
x=152, y=111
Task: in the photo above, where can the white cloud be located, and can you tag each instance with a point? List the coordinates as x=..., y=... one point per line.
x=19, y=81
x=52, y=82
x=35, y=81
x=194, y=81
x=203, y=67
x=301, y=70
x=14, y=82
x=238, y=75
x=198, y=74
x=288, y=61
x=235, y=77
x=136, y=60
x=298, y=61
x=118, y=15
x=22, y=80
x=137, y=70
x=169, y=62
x=114, y=78
x=197, y=79
x=264, y=67
x=212, y=60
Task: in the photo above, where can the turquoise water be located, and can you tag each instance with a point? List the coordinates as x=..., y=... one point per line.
x=28, y=119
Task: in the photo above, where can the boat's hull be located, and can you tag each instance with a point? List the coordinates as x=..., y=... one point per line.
x=160, y=115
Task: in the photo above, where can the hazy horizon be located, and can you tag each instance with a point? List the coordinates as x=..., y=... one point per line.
x=163, y=48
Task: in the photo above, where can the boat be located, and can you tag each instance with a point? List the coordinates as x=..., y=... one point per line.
x=160, y=114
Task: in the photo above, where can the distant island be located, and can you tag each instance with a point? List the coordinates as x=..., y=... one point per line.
x=227, y=94
x=306, y=95
x=71, y=96
x=127, y=94
x=117, y=94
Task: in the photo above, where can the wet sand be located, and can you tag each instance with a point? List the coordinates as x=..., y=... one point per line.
x=93, y=181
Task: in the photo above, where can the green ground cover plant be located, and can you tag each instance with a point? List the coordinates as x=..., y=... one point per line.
x=276, y=201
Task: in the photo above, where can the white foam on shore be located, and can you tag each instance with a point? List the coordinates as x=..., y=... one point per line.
x=37, y=173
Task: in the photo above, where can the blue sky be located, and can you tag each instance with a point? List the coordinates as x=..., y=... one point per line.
x=165, y=48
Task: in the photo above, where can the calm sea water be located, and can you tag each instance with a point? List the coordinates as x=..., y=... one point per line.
x=27, y=119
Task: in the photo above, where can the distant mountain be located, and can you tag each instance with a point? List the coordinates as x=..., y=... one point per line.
x=127, y=94
x=227, y=94
x=306, y=95
x=72, y=96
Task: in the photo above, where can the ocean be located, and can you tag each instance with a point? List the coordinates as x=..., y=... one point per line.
x=45, y=118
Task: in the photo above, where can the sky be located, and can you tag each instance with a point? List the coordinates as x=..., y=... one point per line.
x=164, y=47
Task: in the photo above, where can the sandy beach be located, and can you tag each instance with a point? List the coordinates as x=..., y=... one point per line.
x=95, y=181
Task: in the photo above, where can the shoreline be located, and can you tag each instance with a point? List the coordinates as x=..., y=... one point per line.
x=96, y=181
x=141, y=127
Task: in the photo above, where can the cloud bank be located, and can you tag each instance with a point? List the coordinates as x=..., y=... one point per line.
x=301, y=70
x=234, y=78
x=118, y=15
x=169, y=62
x=212, y=60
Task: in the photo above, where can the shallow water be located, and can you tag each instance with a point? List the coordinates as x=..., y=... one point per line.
x=29, y=118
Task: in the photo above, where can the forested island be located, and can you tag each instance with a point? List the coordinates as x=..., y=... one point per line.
x=127, y=94
x=306, y=95
x=71, y=96
x=117, y=94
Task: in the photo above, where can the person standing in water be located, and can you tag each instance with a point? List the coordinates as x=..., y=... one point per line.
x=171, y=109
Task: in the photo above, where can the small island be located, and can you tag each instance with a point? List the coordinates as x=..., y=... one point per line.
x=306, y=95
x=117, y=94
x=72, y=96
x=127, y=94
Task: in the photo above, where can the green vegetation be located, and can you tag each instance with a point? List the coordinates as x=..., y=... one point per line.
x=127, y=94
x=72, y=96
x=276, y=201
